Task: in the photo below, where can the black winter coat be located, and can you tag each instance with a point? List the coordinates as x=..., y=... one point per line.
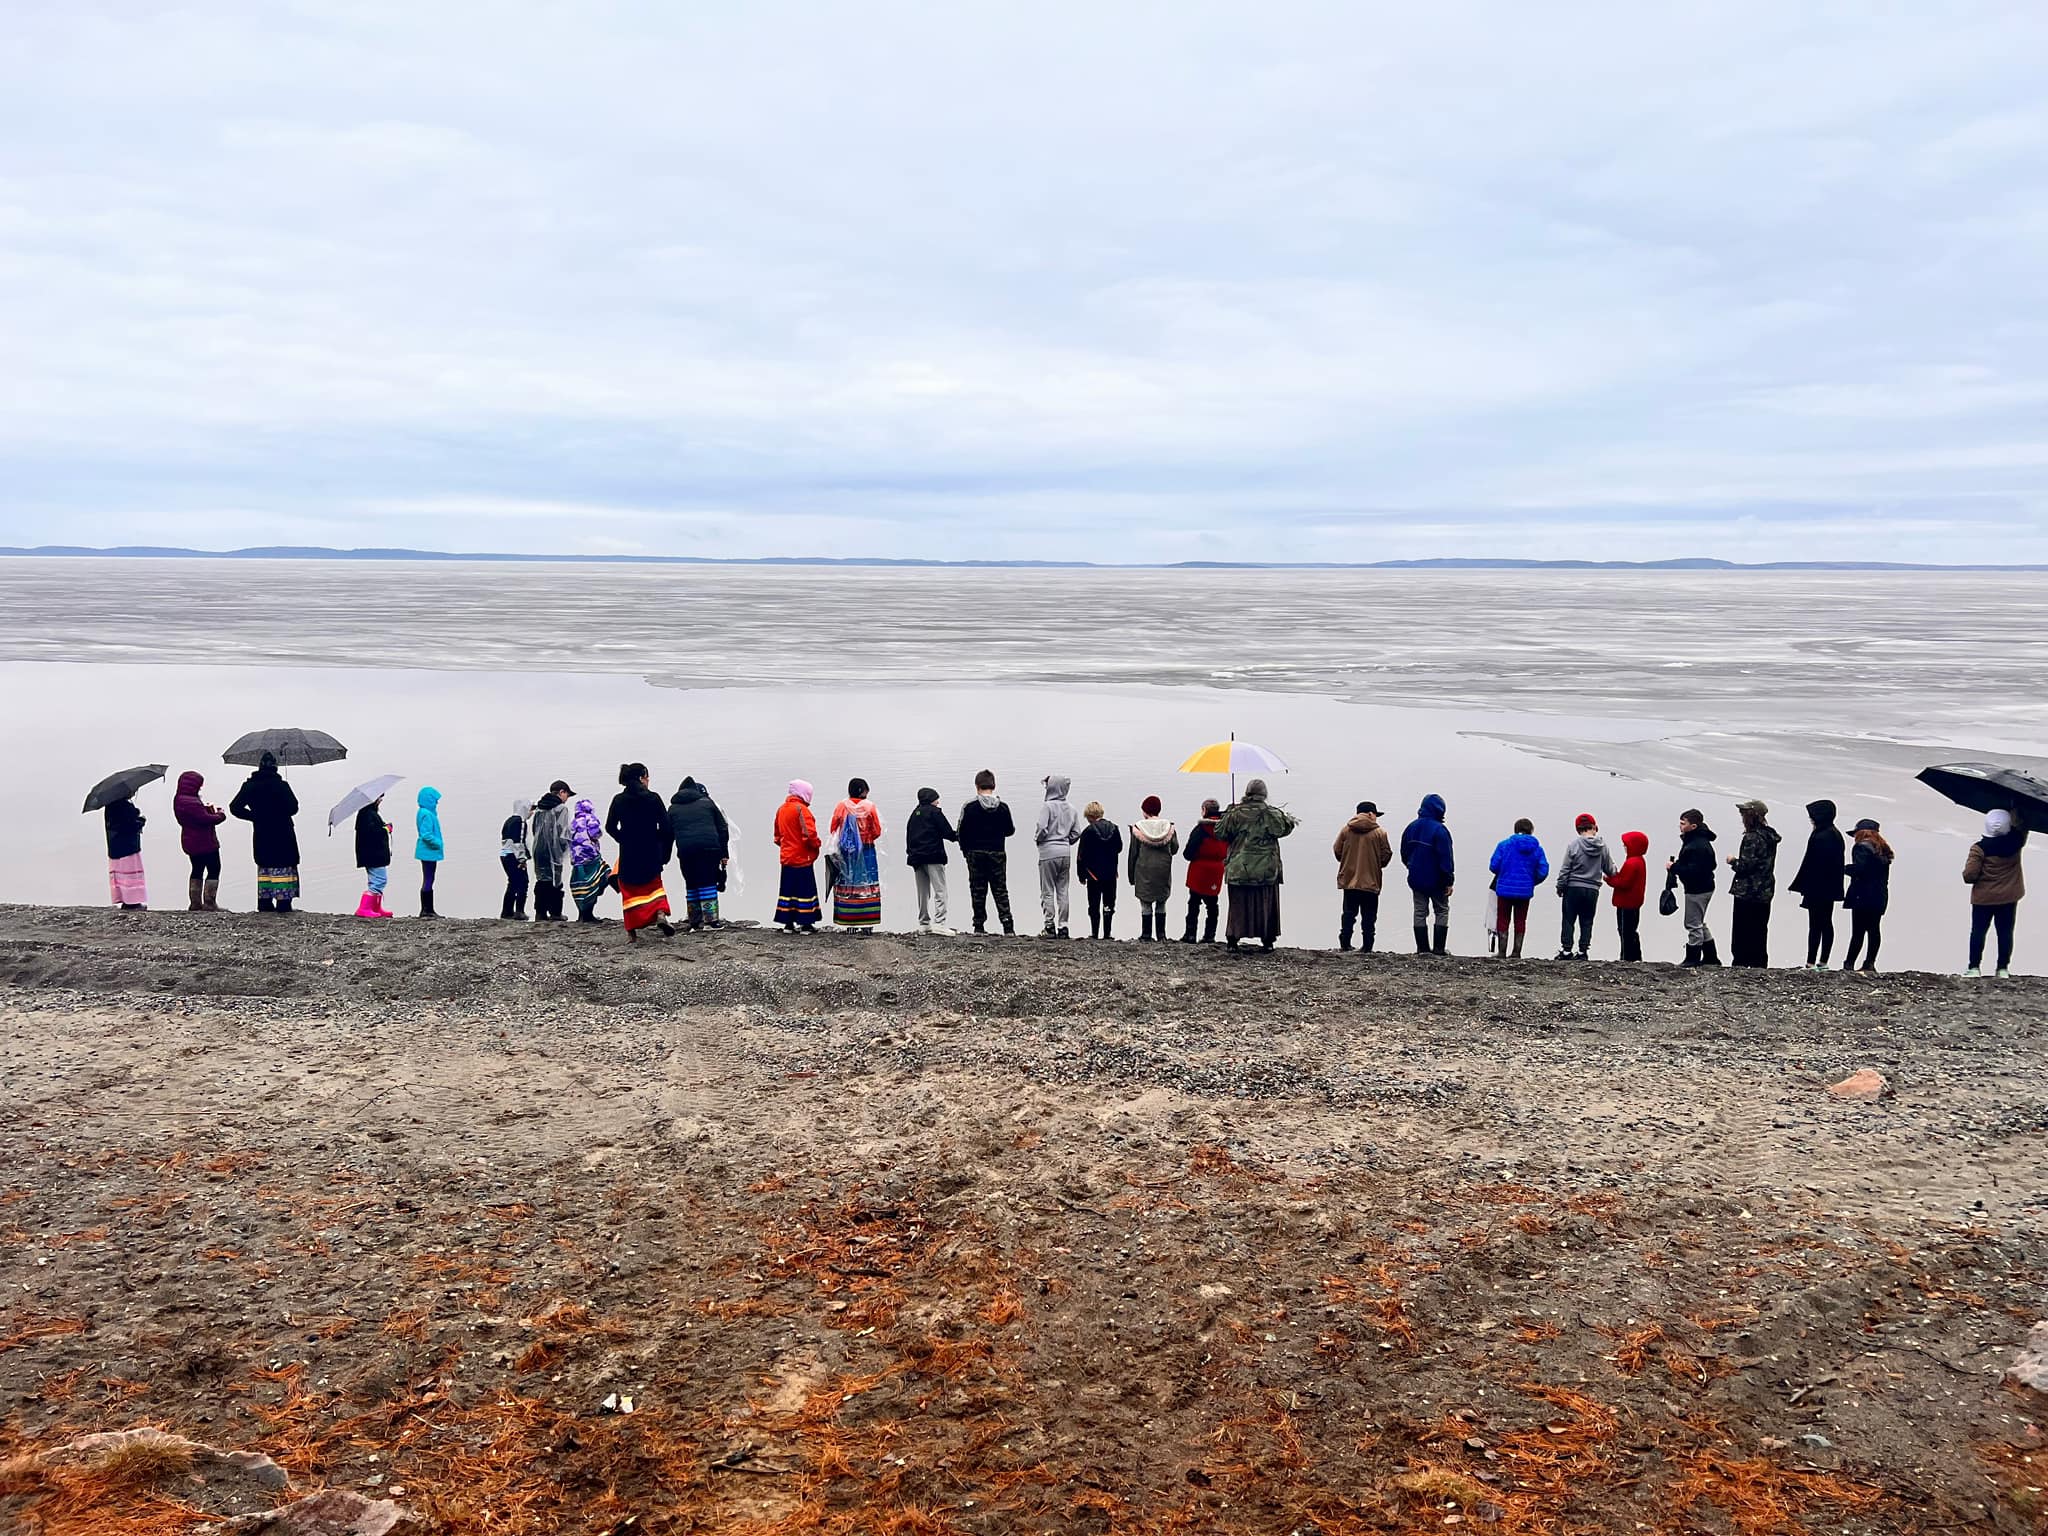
x=925, y=839
x=697, y=826
x=1694, y=869
x=373, y=839
x=1098, y=853
x=1819, y=881
x=124, y=829
x=1870, y=880
x=267, y=803
x=983, y=830
x=639, y=824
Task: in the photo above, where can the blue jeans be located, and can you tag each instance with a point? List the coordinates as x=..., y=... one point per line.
x=378, y=878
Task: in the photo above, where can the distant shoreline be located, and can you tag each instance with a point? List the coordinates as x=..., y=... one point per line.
x=316, y=552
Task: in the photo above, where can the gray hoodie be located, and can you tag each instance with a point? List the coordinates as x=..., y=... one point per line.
x=1586, y=863
x=1059, y=825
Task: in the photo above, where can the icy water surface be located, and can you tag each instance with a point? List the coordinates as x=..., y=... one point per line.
x=1513, y=693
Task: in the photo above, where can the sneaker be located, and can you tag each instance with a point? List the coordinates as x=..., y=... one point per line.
x=1973, y=971
x=1064, y=934
x=2004, y=974
x=941, y=931
x=1564, y=954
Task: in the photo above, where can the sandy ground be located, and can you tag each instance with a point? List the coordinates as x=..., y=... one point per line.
x=922, y=1235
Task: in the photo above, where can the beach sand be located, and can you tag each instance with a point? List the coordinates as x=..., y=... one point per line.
x=917, y=1235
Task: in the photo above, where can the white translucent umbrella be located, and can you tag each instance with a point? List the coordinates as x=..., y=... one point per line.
x=360, y=798
x=1233, y=757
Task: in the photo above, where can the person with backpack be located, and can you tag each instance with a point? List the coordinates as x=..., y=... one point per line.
x=1630, y=884
x=1692, y=870
x=986, y=828
x=1363, y=852
x=924, y=850
x=1427, y=854
x=1580, y=874
x=1207, y=855
x=1992, y=872
x=855, y=831
x=1752, y=886
x=1869, y=894
x=1519, y=866
x=1819, y=883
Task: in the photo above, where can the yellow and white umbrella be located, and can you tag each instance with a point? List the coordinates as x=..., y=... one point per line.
x=1233, y=757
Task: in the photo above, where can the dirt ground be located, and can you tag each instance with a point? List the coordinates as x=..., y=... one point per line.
x=914, y=1235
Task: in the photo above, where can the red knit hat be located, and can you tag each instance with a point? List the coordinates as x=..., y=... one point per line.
x=1585, y=820
x=1150, y=806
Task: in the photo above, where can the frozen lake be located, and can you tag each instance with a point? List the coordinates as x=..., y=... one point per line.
x=1533, y=693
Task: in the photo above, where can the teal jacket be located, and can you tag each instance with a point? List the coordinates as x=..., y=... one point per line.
x=429, y=848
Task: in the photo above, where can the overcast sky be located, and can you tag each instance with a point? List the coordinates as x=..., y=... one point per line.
x=1110, y=281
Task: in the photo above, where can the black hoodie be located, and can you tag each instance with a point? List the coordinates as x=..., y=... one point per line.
x=1819, y=881
x=1694, y=867
x=373, y=839
x=925, y=839
x=1096, y=856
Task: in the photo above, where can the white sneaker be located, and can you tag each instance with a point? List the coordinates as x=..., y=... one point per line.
x=941, y=931
x=1973, y=971
x=2004, y=975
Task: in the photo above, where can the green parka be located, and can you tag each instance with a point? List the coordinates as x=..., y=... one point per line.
x=1253, y=830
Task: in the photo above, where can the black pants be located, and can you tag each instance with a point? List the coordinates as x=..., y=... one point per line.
x=1749, y=934
x=1981, y=921
x=988, y=873
x=1101, y=904
x=1628, y=922
x=1362, y=907
x=1197, y=902
x=1580, y=903
x=514, y=904
x=1863, y=924
x=205, y=866
x=1820, y=934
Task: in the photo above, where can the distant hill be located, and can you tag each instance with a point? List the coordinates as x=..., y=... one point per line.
x=316, y=552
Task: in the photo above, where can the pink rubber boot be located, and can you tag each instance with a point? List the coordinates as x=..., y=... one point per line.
x=368, y=906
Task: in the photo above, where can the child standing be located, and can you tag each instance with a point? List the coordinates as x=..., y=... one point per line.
x=1154, y=842
x=1207, y=854
x=1057, y=831
x=428, y=848
x=924, y=848
x=513, y=855
x=1518, y=867
x=985, y=827
x=590, y=875
x=1095, y=859
x=373, y=857
x=1586, y=864
x=1630, y=883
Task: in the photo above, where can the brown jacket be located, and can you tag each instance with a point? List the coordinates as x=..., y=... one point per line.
x=1994, y=879
x=1362, y=852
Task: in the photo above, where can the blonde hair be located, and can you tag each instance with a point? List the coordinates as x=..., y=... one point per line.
x=1093, y=810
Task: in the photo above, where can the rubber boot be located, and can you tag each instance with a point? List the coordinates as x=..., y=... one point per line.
x=376, y=901
x=1188, y=937
x=1692, y=958
x=1709, y=954
x=427, y=904
x=1515, y=953
x=1421, y=939
x=1108, y=922
x=711, y=917
x=367, y=907
x=1443, y=937
x=1145, y=927
x=1209, y=926
x=209, y=896
x=693, y=914
x=265, y=904
x=284, y=904
x=194, y=902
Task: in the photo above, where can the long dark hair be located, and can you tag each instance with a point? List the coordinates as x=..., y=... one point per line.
x=631, y=774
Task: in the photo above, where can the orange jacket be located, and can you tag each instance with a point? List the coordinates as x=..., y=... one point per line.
x=796, y=834
x=870, y=819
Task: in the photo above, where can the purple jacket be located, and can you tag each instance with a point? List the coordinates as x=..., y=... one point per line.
x=194, y=818
x=586, y=835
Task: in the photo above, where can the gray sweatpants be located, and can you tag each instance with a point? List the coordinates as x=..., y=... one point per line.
x=931, y=893
x=1428, y=901
x=1055, y=889
x=1696, y=917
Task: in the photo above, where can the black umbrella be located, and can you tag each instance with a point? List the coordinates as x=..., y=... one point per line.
x=1993, y=787
x=292, y=747
x=119, y=786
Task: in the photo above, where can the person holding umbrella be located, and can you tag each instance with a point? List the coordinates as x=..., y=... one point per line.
x=267, y=803
x=1992, y=871
x=199, y=837
x=125, y=878
x=373, y=857
x=1253, y=828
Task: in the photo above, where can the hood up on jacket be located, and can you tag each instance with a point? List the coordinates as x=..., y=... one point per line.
x=431, y=797
x=689, y=792
x=1635, y=844
x=1821, y=812
x=1056, y=786
x=1432, y=808
x=190, y=781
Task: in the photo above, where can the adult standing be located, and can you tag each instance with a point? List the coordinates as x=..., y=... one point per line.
x=638, y=823
x=1869, y=894
x=125, y=880
x=1207, y=855
x=267, y=803
x=703, y=845
x=1059, y=828
x=797, y=846
x=1693, y=871
x=1752, y=886
x=199, y=837
x=554, y=821
x=857, y=890
x=1819, y=881
x=1363, y=852
x=1253, y=829
x=1432, y=873
x=986, y=827
x=1996, y=883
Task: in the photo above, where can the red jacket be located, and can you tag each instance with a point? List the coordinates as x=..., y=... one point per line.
x=796, y=834
x=1206, y=855
x=1632, y=879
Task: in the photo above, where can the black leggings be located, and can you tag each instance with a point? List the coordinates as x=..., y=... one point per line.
x=1101, y=903
x=1820, y=934
x=1981, y=921
x=1863, y=924
x=205, y=866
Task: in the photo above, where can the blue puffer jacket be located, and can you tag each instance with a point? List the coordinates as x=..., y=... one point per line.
x=429, y=848
x=1426, y=848
x=1518, y=866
